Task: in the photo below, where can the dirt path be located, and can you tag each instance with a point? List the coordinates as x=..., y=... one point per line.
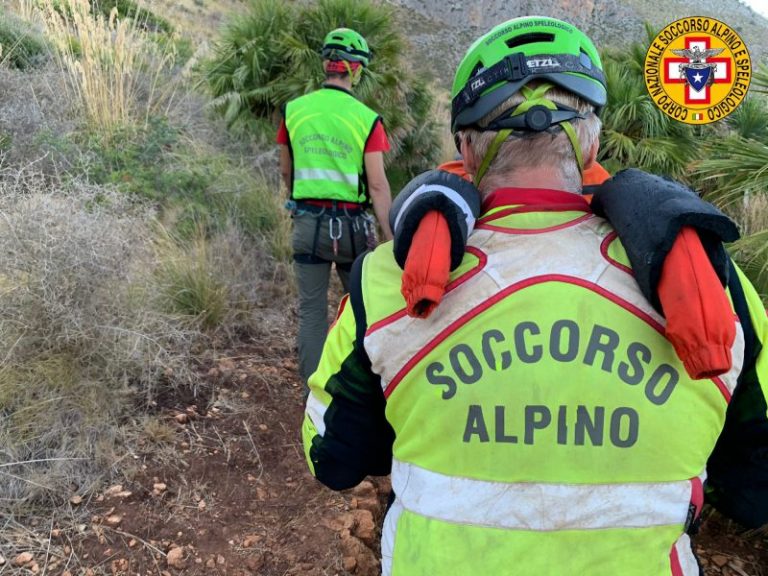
x=232, y=496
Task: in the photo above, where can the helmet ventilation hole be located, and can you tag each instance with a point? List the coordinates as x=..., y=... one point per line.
x=477, y=69
x=531, y=38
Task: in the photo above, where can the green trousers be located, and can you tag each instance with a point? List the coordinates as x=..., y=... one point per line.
x=313, y=253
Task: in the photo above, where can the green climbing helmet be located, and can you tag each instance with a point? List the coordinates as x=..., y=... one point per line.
x=346, y=44
x=512, y=54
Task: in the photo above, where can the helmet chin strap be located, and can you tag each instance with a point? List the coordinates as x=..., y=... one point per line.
x=533, y=97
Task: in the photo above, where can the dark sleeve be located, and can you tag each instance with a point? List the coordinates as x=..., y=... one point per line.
x=738, y=468
x=346, y=435
x=648, y=212
x=455, y=198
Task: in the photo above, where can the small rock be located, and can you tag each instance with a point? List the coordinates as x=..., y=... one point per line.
x=34, y=568
x=251, y=540
x=719, y=560
x=23, y=559
x=175, y=558
x=113, y=490
x=158, y=488
x=120, y=565
x=349, y=563
x=371, y=504
x=220, y=560
x=2, y=560
x=365, y=489
x=66, y=573
x=365, y=527
x=201, y=505
x=114, y=519
x=55, y=533
x=76, y=500
x=211, y=563
x=263, y=427
x=181, y=418
x=132, y=543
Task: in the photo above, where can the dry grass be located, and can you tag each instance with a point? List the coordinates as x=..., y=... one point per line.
x=88, y=342
x=26, y=9
x=82, y=342
x=114, y=71
x=753, y=215
x=218, y=281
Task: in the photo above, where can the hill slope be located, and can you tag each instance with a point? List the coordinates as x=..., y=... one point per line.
x=440, y=31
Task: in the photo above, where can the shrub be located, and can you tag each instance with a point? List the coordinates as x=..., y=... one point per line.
x=145, y=19
x=188, y=282
x=216, y=280
x=192, y=186
x=20, y=45
x=271, y=55
x=82, y=338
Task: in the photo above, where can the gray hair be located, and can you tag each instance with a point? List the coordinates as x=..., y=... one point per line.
x=537, y=150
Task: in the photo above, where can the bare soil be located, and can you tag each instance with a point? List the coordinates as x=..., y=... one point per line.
x=232, y=496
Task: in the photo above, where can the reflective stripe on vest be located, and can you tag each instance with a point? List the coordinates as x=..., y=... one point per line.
x=540, y=414
x=576, y=506
x=328, y=130
x=324, y=174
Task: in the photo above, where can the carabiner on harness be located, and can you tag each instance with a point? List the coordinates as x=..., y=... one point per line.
x=334, y=231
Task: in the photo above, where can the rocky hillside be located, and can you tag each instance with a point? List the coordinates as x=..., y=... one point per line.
x=441, y=30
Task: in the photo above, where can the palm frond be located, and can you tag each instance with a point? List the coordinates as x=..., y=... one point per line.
x=751, y=254
x=271, y=54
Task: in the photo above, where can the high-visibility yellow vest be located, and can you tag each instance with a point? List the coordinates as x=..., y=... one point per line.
x=543, y=423
x=328, y=130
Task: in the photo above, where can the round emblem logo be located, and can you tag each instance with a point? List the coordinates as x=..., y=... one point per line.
x=697, y=70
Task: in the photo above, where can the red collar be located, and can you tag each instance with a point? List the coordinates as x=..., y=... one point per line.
x=536, y=199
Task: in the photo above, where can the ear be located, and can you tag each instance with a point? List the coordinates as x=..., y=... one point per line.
x=468, y=155
x=591, y=157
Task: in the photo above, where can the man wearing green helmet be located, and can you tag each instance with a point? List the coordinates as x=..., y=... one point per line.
x=538, y=422
x=331, y=160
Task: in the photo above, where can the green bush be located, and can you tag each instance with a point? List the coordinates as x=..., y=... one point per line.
x=130, y=9
x=271, y=55
x=22, y=47
x=191, y=187
x=125, y=9
x=189, y=285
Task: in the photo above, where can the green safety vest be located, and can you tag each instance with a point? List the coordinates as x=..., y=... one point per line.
x=328, y=130
x=558, y=384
